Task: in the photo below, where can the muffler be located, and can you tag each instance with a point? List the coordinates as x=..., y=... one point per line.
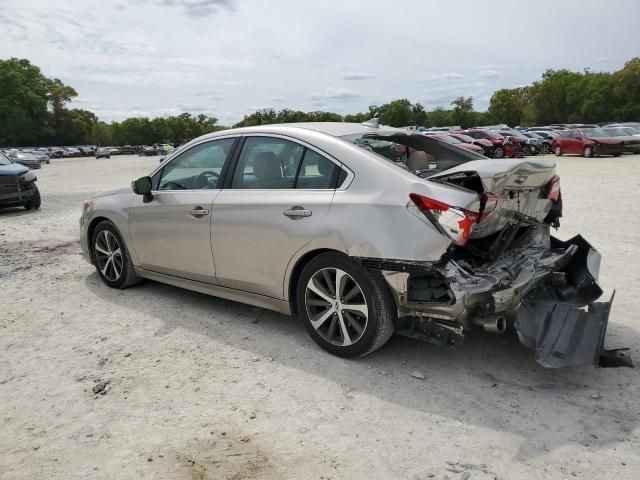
x=492, y=323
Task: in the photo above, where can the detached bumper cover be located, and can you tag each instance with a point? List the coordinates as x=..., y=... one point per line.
x=566, y=325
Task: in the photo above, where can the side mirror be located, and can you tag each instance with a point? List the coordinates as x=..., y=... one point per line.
x=142, y=186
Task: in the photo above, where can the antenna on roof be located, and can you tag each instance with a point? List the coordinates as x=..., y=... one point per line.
x=372, y=123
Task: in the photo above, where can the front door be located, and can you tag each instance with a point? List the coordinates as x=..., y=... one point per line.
x=172, y=233
x=280, y=193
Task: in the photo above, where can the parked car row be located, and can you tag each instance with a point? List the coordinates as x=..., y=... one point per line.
x=45, y=154
x=500, y=141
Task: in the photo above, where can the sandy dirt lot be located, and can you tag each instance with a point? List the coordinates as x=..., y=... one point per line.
x=200, y=387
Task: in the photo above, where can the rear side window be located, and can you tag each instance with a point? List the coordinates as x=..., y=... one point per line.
x=267, y=163
x=317, y=172
x=275, y=163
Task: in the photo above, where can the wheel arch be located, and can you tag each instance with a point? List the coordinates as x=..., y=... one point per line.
x=297, y=270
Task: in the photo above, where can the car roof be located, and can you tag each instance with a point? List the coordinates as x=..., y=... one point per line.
x=335, y=129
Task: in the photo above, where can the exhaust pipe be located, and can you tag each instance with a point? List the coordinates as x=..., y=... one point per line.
x=492, y=323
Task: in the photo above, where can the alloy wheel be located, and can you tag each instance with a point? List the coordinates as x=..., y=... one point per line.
x=336, y=306
x=108, y=255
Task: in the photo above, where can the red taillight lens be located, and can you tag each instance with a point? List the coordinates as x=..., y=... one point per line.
x=456, y=223
x=428, y=204
x=553, y=188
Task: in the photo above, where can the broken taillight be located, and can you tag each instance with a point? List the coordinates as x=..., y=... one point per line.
x=457, y=223
x=490, y=204
x=553, y=188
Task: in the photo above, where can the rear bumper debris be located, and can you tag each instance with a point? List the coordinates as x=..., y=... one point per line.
x=546, y=286
x=565, y=324
x=565, y=335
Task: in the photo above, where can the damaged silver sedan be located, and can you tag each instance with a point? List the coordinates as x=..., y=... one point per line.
x=362, y=231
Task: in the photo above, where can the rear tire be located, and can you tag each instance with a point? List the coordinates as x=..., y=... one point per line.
x=498, y=152
x=111, y=257
x=352, y=320
x=545, y=148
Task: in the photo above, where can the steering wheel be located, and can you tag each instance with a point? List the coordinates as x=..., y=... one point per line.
x=203, y=179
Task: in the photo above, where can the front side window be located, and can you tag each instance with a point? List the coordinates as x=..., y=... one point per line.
x=197, y=168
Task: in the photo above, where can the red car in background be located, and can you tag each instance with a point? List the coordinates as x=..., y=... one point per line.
x=460, y=144
x=486, y=145
x=588, y=142
x=501, y=147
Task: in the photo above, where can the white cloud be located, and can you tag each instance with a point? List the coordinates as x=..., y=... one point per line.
x=490, y=73
x=333, y=93
x=358, y=76
x=443, y=77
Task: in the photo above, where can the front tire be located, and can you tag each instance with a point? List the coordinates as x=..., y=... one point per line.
x=36, y=201
x=111, y=257
x=346, y=308
x=498, y=152
x=558, y=151
x=545, y=148
x=587, y=152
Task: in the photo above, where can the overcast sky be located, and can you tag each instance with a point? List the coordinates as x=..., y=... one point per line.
x=229, y=57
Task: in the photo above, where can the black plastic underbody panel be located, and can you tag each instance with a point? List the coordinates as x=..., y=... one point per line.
x=564, y=335
x=566, y=325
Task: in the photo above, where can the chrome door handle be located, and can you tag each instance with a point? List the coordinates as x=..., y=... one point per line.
x=199, y=212
x=297, y=212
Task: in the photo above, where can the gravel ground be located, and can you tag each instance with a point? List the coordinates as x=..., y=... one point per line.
x=158, y=382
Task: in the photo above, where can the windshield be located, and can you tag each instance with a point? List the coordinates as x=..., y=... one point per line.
x=464, y=138
x=616, y=132
x=413, y=151
x=595, y=133
x=448, y=139
x=4, y=160
x=512, y=133
x=532, y=135
x=24, y=156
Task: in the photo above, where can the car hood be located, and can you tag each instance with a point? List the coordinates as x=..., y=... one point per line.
x=114, y=191
x=13, y=169
x=609, y=140
x=483, y=141
x=629, y=138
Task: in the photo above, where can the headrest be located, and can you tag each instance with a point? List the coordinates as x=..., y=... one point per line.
x=266, y=166
x=325, y=167
x=418, y=160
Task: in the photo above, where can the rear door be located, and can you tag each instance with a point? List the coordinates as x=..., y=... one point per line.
x=279, y=194
x=172, y=233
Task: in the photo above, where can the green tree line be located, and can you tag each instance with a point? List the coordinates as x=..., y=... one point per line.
x=34, y=109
